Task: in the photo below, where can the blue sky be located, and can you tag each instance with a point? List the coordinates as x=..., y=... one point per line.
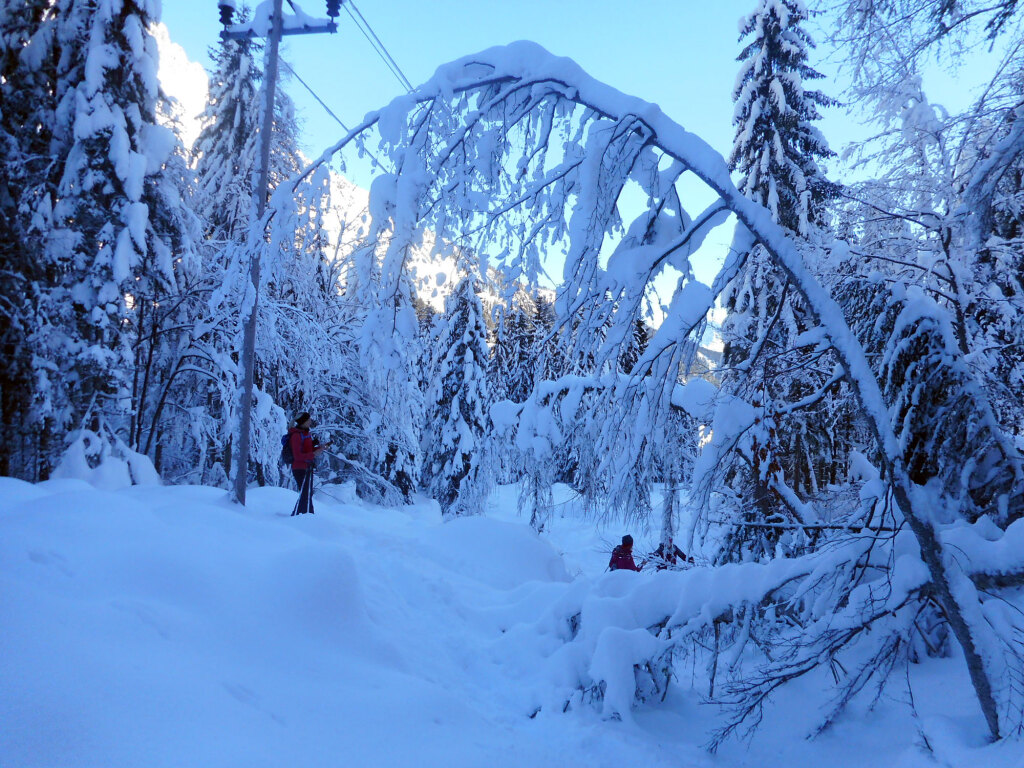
x=680, y=55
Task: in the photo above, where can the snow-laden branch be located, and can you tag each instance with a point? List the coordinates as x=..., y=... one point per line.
x=460, y=131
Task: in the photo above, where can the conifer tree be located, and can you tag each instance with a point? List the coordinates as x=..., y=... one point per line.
x=456, y=468
x=555, y=355
x=28, y=64
x=776, y=152
x=226, y=149
x=635, y=346
x=512, y=361
x=226, y=157
x=777, y=146
x=511, y=375
x=550, y=357
x=118, y=230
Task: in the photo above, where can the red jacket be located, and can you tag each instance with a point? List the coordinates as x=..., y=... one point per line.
x=622, y=560
x=302, y=448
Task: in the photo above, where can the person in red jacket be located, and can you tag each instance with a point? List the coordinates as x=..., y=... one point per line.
x=304, y=452
x=622, y=556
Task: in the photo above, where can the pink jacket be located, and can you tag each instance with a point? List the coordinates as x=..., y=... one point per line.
x=622, y=560
x=302, y=448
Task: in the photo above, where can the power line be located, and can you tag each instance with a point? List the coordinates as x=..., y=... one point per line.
x=378, y=45
x=313, y=94
x=360, y=141
x=383, y=56
x=375, y=42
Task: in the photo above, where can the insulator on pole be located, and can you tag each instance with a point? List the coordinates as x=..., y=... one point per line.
x=333, y=8
x=227, y=10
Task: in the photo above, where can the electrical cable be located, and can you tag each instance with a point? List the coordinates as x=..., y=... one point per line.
x=382, y=46
x=375, y=42
x=329, y=111
x=313, y=94
x=378, y=45
x=397, y=74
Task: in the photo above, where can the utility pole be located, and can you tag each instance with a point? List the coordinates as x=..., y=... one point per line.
x=278, y=29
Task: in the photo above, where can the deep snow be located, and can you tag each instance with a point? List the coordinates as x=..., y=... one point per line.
x=163, y=626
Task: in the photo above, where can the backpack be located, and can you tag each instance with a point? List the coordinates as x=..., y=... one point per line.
x=287, y=457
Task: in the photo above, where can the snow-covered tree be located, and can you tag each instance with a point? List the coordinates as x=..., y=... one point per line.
x=885, y=44
x=938, y=289
x=777, y=145
x=776, y=152
x=101, y=223
x=942, y=208
x=118, y=239
x=511, y=375
x=387, y=341
x=227, y=145
x=226, y=164
x=456, y=466
x=634, y=348
x=225, y=155
x=469, y=149
x=168, y=306
x=28, y=174
x=550, y=352
x=512, y=359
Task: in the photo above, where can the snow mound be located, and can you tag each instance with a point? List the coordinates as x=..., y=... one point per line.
x=501, y=555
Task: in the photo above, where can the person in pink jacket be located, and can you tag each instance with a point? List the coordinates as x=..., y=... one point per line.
x=304, y=452
x=622, y=556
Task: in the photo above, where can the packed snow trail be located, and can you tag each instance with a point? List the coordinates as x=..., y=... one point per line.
x=163, y=626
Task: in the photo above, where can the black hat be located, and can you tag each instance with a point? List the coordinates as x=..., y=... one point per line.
x=304, y=416
x=627, y=540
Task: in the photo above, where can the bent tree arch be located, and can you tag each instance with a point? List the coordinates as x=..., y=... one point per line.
x=521, y=154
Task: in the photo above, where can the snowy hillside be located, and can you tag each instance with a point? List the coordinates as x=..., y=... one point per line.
x=184, y=81
x=162, y=626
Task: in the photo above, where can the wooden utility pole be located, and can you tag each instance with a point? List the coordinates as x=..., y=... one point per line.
x=242, y=32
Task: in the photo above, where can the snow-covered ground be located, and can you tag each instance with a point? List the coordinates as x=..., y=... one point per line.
x=162, y=626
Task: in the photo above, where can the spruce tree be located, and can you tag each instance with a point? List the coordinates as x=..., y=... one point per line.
x=28, y=69
x=225, y=156
x=511, y=376
x=549, y=355
x=117, y=234
x=635, y=346
x=777, y=146
x=776, y=152
x=457, y=475
x=512, y=362
x=226, y=149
